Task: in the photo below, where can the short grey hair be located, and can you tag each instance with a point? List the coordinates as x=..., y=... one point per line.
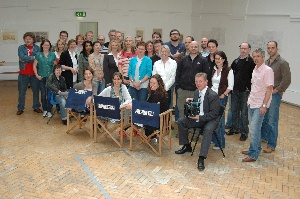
x=259, y=50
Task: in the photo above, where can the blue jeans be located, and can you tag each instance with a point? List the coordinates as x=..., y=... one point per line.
x=101, y=86
x=44, y=98
x=240, y=111
x=255, y=120
x=23, y=81
x=221, y=132
x=269, y=129
x=62, y=103
x=229, y=114
x=139, y=95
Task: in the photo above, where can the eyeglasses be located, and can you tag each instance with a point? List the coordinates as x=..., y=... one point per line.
x=219, y=58
x=244, y=48
x=174, y=33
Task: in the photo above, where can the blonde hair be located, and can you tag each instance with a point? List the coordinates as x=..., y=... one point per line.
x=63, y=42
x=110, y=44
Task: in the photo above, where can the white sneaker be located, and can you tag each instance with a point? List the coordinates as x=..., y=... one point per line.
x=44, y=113
x=216, y=148
x=49, y=114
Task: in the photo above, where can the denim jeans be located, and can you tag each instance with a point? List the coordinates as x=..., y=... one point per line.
x=139, y=95
x=44, y=98
x=269, y=129
x=240, y=111
x=23, y=81
x=229, y=114
x=221, y=132
x=62, y=103
x=255, y=120
x=101, y=86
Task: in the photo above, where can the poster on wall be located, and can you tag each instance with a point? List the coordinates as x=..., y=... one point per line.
x=8, y=37
x=217, y=33
x=139, y=32
x=40, y=36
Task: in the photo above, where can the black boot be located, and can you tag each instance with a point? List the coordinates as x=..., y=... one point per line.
x=201, y=166
x=185, y=148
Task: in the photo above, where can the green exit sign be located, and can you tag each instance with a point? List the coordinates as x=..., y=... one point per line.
x=80, y=14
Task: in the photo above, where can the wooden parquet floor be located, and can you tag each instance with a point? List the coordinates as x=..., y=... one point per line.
x=42, y=161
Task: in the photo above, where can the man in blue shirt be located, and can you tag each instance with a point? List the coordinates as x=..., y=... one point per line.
x=176, y=47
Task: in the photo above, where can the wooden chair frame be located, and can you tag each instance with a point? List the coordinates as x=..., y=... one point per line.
x=81, y=121
x=163, y=134
x=107, y=127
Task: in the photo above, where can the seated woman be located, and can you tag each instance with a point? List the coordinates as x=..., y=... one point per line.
x=87, y=84
x=57, y=84
x=117, y=90
x=157, y=94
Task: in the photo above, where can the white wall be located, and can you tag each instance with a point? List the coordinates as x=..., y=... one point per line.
x=191, y=17
x=243, y=17
x=124, y=15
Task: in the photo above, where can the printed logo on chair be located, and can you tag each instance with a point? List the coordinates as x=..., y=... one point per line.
x=107, y=107
x=145, y=113
x=76, y=99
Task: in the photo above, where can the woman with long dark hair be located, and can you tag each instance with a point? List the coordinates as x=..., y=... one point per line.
x=96, y=63
x=157, y=94
x=83, y=57
x=222, y=82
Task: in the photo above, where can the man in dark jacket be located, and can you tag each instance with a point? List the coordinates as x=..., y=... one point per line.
x=209, y=112
x=187, y=68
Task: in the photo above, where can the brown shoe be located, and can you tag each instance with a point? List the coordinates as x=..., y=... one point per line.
x=38, y=110
x=248, y=159
x=268, y=150
x=20, y=112
x=245, y=152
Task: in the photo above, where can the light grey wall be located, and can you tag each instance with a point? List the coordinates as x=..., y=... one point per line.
x=238, y=18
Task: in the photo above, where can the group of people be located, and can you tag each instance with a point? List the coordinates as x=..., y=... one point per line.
x=142, y=70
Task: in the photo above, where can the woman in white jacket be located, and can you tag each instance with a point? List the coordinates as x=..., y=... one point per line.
x=166, y=68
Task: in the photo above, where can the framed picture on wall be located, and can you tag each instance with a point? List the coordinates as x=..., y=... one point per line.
x=40, y=36
x=140, y=32
x=9, y=37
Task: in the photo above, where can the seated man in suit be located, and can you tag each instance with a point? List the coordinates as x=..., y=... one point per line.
x=209, y=111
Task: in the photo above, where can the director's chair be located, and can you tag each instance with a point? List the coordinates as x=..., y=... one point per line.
x=77, y=110
x=144, y=113
x=108, y=117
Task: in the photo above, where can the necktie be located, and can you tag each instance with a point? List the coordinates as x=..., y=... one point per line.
x=199, y=98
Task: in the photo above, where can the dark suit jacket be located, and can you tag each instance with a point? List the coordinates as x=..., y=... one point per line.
x=109, y=68
x=65, y=59
x=211, y=105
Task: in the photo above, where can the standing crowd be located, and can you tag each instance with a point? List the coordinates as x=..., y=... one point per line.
x=131, y=69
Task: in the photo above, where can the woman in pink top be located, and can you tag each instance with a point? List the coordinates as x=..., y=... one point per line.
x=124, y=57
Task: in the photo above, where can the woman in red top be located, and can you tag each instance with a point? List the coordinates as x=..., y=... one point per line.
x=124, y=57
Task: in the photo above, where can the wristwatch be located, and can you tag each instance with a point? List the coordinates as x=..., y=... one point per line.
x=264, y=105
